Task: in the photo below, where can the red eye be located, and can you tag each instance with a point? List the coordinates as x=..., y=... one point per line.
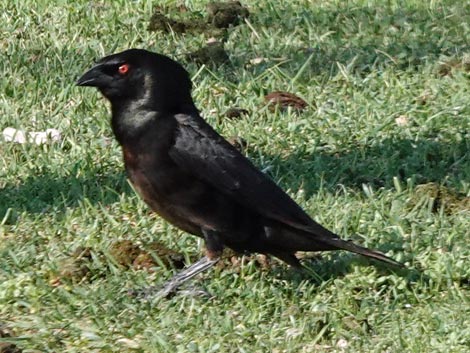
x=123, y=69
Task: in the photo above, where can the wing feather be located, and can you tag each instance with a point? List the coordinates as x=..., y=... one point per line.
x=202, y=152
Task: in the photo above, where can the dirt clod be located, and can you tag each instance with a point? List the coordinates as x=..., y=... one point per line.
x=238, y=142
x=226, y=14
x=128, y=254
x=440, y=197
x=212, y=54
x=7, y=347
x=161, y=22
x=236, y=113
x=283, y=100
x=448, y=66
x=74, y=268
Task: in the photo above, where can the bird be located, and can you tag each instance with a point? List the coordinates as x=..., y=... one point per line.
x=194, y=178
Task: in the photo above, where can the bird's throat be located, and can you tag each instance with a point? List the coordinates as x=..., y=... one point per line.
x=131, y=123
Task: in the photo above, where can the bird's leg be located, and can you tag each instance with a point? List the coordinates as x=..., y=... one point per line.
x=214, y=249
x=173, y=284
x=214, y=246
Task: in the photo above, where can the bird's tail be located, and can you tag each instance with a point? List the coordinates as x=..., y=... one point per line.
x=350, y=246
x=315, y=237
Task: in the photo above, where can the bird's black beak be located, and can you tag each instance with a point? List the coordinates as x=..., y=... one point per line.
x=92, y=77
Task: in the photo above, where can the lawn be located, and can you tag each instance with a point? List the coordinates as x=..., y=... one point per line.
x=381, y=156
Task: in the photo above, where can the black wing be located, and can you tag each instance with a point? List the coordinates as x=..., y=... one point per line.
x=202, y=152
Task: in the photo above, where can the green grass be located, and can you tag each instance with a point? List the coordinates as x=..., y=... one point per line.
x=361, y=65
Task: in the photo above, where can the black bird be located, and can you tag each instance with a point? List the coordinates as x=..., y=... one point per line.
x=191, y=176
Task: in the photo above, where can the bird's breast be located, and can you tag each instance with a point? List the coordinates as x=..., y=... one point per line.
x=159, y=183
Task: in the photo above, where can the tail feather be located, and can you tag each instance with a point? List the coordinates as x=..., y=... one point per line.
x=314, y=237
x=350, y=246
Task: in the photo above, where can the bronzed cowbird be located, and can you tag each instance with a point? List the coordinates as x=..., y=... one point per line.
x=191, y=176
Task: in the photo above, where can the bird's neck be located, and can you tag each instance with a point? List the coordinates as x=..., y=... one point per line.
x=129, y=123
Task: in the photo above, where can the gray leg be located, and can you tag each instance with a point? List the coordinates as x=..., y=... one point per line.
x=173, y=284
x=214, y=248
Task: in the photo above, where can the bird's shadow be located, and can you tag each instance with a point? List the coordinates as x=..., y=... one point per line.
x=318, y=270
x=377, y=165
x=50, y=192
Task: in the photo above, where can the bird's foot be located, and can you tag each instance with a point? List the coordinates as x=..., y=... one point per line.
x=170, y=287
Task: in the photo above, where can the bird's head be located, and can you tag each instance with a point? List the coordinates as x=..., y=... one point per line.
x=139, y=75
